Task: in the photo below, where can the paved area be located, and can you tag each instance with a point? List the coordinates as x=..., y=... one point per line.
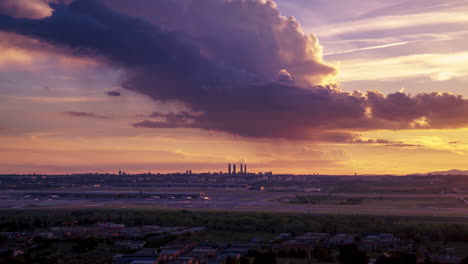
x=245, y=200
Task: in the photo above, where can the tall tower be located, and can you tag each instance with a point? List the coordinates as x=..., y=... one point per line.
x=229, y=168
x=234, y=168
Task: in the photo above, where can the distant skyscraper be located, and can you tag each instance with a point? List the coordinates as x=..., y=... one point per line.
x=229, y=168
x=234, y=168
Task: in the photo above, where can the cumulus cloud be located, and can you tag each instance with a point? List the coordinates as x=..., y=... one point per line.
x=251, y=35
x=424, y=110
x=86, y=114
x=238, y=65
x=284, y=76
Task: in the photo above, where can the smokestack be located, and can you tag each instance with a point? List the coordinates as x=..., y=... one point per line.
x=234, y=168
x=242, y=169
x=245, y=168
x=229, y=168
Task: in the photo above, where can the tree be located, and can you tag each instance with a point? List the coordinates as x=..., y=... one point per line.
x=397, y=258
x=244, y=260
x=465, y=260
x=231, y=260
x=322, y=253
x=265, y=258
x=351, y=254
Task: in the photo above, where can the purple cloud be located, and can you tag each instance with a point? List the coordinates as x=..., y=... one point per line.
x=241, y=66
x=112, y=93
x=86, y=114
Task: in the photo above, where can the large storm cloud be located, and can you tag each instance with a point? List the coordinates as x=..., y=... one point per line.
x=240, y=67
x=248, y=34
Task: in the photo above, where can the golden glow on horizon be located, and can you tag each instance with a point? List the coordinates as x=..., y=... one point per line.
x=147, y=153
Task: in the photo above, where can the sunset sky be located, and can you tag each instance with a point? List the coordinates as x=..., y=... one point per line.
x=291, y=86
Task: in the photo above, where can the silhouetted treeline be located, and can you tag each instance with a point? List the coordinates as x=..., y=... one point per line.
x=416, y=228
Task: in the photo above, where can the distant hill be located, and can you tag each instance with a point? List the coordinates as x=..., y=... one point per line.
x=452, y=172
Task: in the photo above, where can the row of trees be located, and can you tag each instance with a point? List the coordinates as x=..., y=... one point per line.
x=406, y=228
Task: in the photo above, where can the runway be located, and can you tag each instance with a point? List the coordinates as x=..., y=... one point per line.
x=240, y=200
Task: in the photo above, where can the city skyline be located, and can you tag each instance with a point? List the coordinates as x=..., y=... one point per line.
x=229, y=170
x=373, y=87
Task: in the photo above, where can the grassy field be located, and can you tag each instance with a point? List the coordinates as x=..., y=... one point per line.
x=443, y=201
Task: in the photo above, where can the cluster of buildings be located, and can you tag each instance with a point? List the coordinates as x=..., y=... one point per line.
x=124, y=237
x=233, y=170
x=384, y=243
x=446, y=256
x=148, y=244
x=373, y=242
x=187, y=179
x=186, y=252
x=189, y=252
